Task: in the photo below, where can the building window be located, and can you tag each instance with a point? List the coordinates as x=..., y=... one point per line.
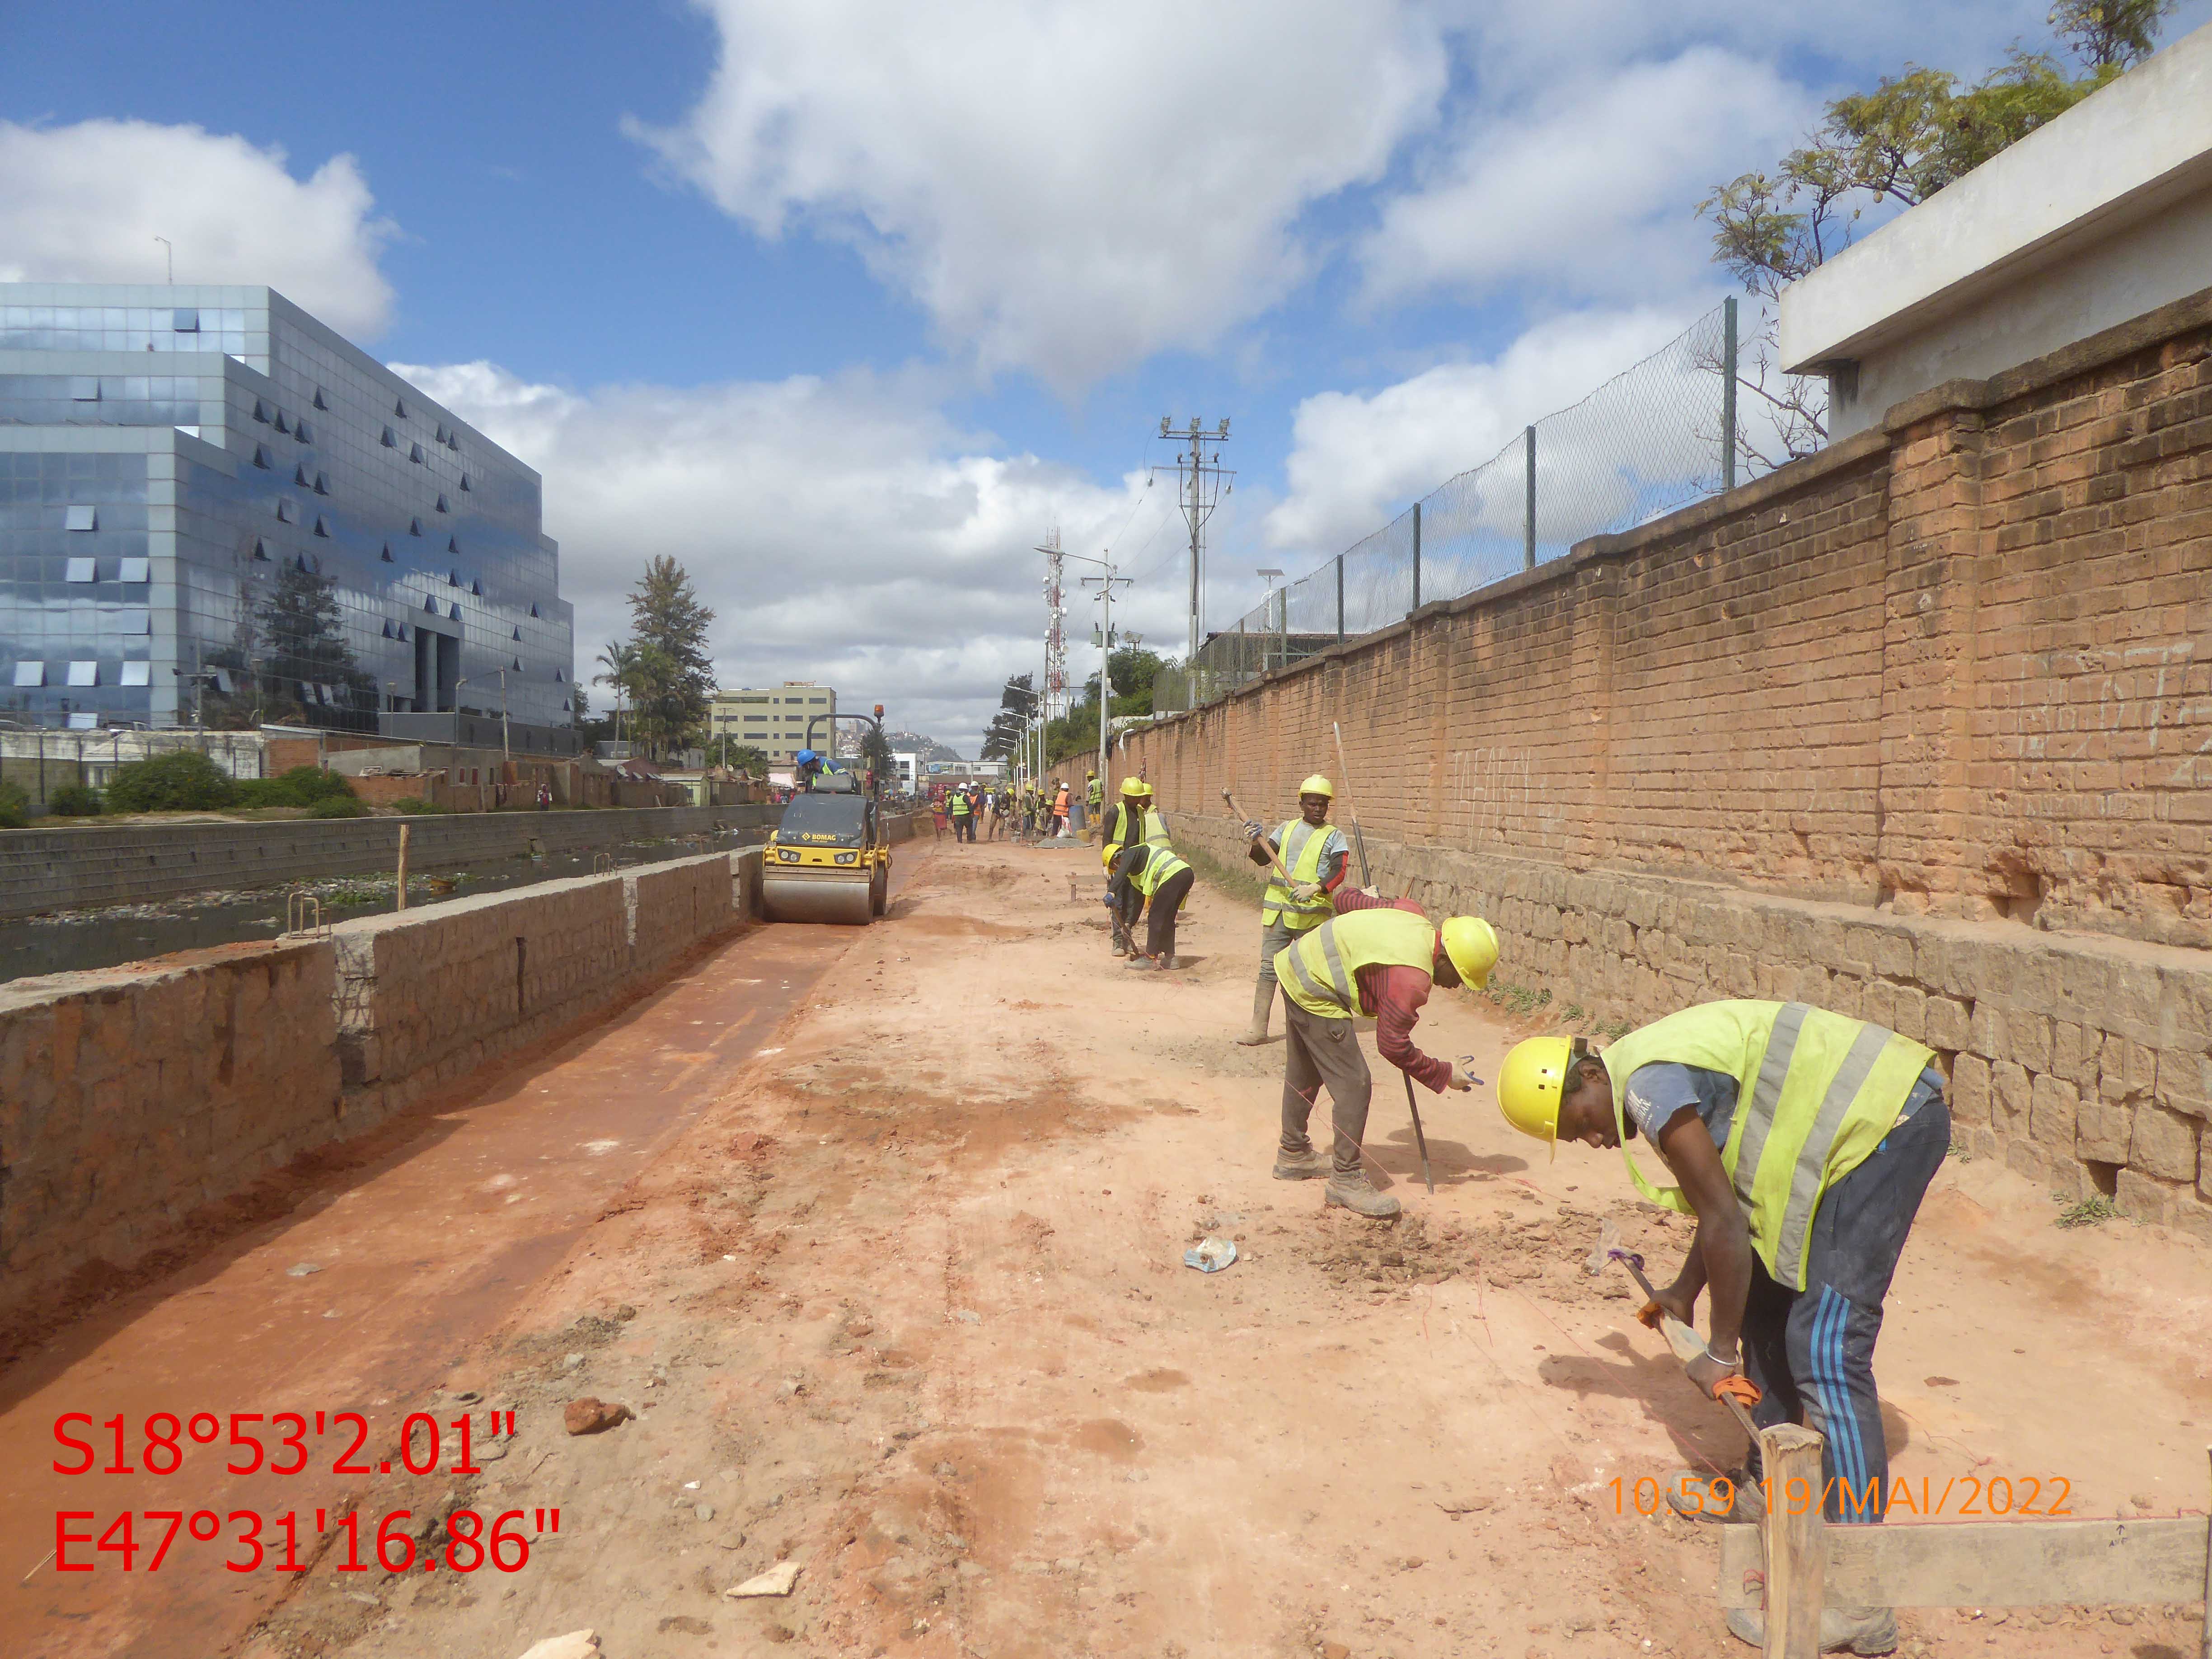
x=137, y=673
x=320, y=404
x=85, y=720
x=441, y=432
x=430, y=605
x=453, y=610
x=186, y=320
x=322, y=524
x=414, y=526
x=136, y=570
x=286, y=512
x=79, y=570
x=261, y=456
x=281, y=424
x=84, y=674
x=260, y=550
x=452, y=543
x=442, y=507
x=476, y=587
x=300, y=474
x=414, y=451
x=322, y=484
x=387, y=554
x=518, y=633
x=399, y=407
x=82, y=518
x=30, y=673
x=84, y=388
x=137, y=620
x=302, y=434
x=261, y=411
x=533, y=607
x=391, y=439
x=464, y=482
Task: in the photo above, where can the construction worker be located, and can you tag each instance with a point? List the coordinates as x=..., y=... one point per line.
x=1094, y=801
x=1058, y=807
x=961, y=808
x=1802, y=1140
x=1376, y=959
x=1131, y=820
x=1313, y=851
x=1144, y=874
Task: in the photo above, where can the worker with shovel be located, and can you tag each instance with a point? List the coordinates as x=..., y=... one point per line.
x=1145, y=874
x=1307, y=856
x=1376, y=959
x=1803, y=1141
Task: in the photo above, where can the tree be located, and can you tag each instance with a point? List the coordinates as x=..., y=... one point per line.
x=305, y=646
x=672, y=676
x=181, y=781
x=876, y=752
x=1017, y=701
x=747, y=759
x=1915, y=134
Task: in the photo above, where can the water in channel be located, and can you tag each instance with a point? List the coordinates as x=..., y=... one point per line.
x=70, y=941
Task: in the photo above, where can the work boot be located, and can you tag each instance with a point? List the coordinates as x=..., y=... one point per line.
x=1843, y=1630
x=1292, y=1164
x=1691, y=1496
x=1354, y=1192
x=1263, y=1004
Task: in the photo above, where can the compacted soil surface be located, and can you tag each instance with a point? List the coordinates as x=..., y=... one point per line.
x=900, y=1303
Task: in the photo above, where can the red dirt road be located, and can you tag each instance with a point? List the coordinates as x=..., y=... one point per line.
x=904, y=1304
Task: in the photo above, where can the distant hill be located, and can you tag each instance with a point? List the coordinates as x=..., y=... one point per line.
x=913, y=743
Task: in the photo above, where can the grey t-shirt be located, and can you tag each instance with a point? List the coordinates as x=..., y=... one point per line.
x=1659, y=1091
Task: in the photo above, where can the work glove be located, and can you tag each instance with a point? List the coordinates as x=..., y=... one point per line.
x=1305, y=892
x=1461, y=1078
x=1253, y=830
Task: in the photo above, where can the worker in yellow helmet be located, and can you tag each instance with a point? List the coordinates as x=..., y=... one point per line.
x=1377, y=959
x=1803, y=1141
x=1312, y=851
x=1134, y=818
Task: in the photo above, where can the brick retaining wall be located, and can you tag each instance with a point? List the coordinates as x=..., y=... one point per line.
x=131, y=1096
x=1913, y=725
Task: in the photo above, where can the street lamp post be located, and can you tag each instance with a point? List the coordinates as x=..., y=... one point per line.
x=1105, y=585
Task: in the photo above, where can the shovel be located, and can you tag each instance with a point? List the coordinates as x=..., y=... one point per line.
x=1679, y=1336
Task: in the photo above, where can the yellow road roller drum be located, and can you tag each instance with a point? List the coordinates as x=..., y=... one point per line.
x=828, y=861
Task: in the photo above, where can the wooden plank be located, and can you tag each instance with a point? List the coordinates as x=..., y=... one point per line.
x=1797, y=1560
x=1994, y=1564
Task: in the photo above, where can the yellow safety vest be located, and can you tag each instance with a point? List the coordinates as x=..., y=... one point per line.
x=1816, y=1093
x=1300, y=846
x=1095, y=793
x=1317, y=970
x=1158, y=866
x=1156, y=828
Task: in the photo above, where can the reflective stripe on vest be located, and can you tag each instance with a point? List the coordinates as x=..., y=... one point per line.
x=1156, y=828
x=1302, y=846
x=1158, y=866
x=1319, y=972
x=1816, y=1093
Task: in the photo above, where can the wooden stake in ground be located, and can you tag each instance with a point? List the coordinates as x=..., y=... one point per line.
x=1797, y=1548
x=1344, y=771
x=404, y=829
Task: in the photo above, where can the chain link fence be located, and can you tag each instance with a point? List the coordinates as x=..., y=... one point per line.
x=1656, y=437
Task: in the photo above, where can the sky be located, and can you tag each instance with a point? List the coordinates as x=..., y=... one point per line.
x=846, y=305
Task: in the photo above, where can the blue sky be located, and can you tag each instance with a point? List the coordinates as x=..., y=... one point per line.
x=844, y=304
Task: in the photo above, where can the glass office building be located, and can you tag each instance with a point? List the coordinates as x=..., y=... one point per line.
x=215, y=511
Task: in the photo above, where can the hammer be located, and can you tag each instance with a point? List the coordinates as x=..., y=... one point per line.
x=1258, y=841
x=1686, y=1346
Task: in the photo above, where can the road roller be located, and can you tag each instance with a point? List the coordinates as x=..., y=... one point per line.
x=829, y=860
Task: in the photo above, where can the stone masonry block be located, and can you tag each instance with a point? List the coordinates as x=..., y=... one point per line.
x=1948, y=1024
x=1985, y=1031
x=2145, y=1198
x=1908, y=1012
x=2029, y=1038
x=2184, y=1083
x=2101, y=1131
x=1970, y=1090
x=2164, y=1144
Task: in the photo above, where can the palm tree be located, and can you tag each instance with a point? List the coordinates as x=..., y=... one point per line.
x=619, y=660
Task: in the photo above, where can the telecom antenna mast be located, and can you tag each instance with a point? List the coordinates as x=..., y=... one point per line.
x=1055, y=639
x=1201, y=482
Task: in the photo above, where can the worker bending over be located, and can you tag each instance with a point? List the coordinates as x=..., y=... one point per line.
x=1803, y=1141
x=1376, y=959
x=1147, y=874
x=1312, y=850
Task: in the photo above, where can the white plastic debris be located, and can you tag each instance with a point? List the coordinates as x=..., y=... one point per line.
x=1210, y=1255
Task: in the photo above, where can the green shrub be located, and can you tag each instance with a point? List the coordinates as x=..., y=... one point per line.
x=15, y=807
x=303, y=785
x=415, y=805
x=183, y=780
x=338, y=807
x=74, y=800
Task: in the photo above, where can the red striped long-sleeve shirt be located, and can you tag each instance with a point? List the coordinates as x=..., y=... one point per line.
x=1394, y=997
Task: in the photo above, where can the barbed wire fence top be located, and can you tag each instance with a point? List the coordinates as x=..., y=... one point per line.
x=1659, y=435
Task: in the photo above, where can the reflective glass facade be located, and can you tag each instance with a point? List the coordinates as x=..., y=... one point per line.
x=273, y=527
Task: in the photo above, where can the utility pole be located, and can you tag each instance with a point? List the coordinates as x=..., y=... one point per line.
x=1105, y=585
x=1199, y=485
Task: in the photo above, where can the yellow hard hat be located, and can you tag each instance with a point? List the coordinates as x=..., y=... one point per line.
x=1473, y=948
x=1317, y=785
x=1135, y=786
x=1530, y=1082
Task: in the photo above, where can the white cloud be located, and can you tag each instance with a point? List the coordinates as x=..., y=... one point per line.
x=1357, y=458
x=841, y=529
x=84, y=203
x=1064, y=186
x=1593, y=192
